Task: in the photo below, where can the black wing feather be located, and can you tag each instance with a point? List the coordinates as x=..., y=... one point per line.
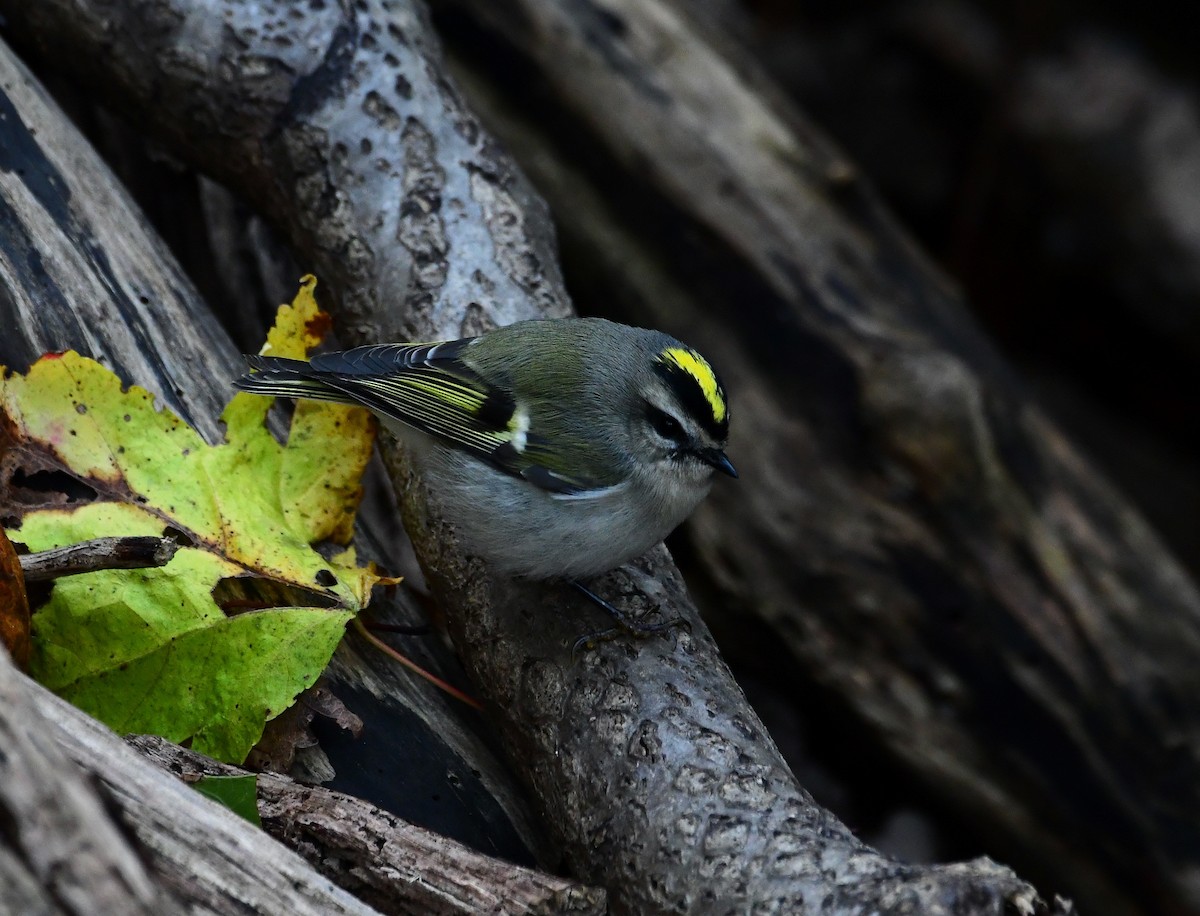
x=429, y=387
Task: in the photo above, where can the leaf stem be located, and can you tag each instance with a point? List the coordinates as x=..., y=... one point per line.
x=413, y=666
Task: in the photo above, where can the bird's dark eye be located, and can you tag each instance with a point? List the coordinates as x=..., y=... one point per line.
x=664, y=424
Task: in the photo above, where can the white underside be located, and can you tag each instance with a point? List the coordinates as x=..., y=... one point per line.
x=521, y=529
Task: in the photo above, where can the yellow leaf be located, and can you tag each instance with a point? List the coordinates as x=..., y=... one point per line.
x=151, y=650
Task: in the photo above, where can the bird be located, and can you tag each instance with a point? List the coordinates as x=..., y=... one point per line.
x=561, y=448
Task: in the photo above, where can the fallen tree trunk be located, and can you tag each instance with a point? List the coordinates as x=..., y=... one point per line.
x=81, y=269
x=913, y=531
x=391, y=865
x=188, y=854
x=62, y=778
x=650, y=769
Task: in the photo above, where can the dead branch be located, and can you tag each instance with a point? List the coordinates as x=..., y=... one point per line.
x=655, y=776
x=100, y=553
x=63, y=777
x=394, y=866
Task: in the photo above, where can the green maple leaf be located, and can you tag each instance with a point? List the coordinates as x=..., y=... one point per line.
x=151, y=650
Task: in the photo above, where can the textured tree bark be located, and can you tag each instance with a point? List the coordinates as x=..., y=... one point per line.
x=913, y=529
x=649, y=767
x=91, y=827
x=60, y=851
x=391, y=865
x=79, y=268
x=1055, y=170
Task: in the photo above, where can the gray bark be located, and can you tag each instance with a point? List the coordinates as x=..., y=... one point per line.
x=66, y=849
x=392, y=865
x=60, y=851
x=910, y=526
x=648, y=766
x=80, y=268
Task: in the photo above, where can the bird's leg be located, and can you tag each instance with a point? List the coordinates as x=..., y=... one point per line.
x=625, y=623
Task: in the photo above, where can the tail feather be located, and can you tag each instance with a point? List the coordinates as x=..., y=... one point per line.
x=288, y=378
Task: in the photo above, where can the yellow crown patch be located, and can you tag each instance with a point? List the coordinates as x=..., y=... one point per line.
x=698, y=368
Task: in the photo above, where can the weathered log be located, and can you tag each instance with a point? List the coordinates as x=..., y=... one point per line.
x=62, y=853
x=654, y=774
x=62, y=776
x=176, y=851
x=910, y=525
x=392, y=865
x=80, y=269
x=1055, y=176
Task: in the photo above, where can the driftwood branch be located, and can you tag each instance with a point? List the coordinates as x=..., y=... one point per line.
x=100, y=553
x=129, y=306
x=912, y=529
x=652, y=772
x=912, y=536
x=392, y=865
x=63, y=780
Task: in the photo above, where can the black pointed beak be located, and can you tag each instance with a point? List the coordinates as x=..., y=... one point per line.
x=717, y=459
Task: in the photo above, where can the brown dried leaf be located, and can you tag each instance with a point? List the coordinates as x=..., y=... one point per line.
x=289, y=732
x=14, y=606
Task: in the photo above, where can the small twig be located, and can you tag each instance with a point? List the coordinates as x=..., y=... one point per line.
x=102, y=553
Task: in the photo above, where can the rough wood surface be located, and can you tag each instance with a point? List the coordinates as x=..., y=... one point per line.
x=657, y=778
x=392, y=865
x=648, y=765
x=60, y=849
x=98, y=829
x=79, y=268
x=912, y=530
x=1055, y=173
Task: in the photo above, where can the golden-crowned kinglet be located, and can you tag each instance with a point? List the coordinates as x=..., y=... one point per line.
x=560, y=448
